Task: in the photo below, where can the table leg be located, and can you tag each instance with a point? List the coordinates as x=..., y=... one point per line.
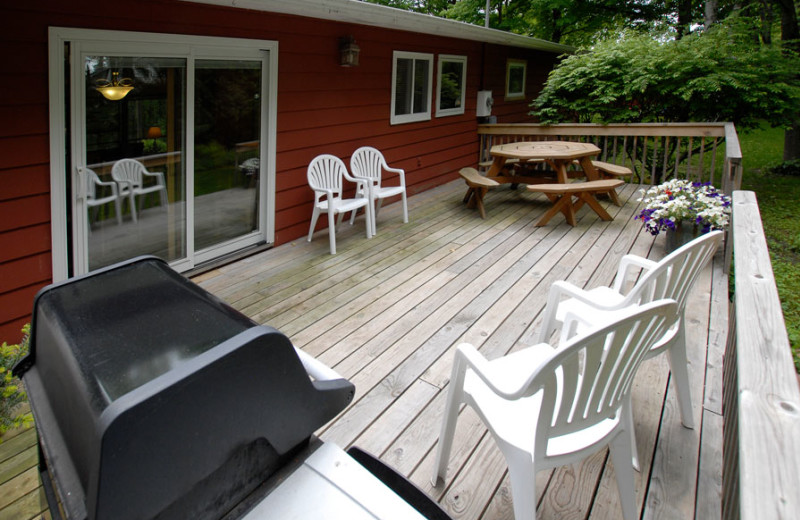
x=592, y=202
x=561, y=203
x=496, y=167
x=593, y=174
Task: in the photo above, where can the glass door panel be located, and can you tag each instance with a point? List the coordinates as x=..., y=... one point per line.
x=227, y=128
x=134, y=160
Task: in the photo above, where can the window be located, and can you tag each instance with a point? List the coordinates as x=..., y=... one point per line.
x=450, y=89
x=411, y=87
x=516, y=70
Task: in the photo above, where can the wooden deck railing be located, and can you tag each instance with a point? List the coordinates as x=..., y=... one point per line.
x=704, y=152
x=761, y=400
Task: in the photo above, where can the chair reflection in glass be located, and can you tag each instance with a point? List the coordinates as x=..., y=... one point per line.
x=133, y=180
x=94, y=198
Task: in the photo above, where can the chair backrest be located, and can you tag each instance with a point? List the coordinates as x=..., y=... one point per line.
x=586, y=380
x=367, y=162
x=128, y=170
x=325, y=172
x=677, y=272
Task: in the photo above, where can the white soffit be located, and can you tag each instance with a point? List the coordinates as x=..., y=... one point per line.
x=363, y=13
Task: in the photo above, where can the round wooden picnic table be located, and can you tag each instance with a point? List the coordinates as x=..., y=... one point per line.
x=558, y=154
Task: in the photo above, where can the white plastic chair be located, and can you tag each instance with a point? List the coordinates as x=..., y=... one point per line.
x=672, y=277
x=548, y=407
x=131, y=176
x=93, y=182
x=325, y=174
x=368, y=163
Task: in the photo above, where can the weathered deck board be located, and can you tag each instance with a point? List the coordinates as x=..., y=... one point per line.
x=388, y=312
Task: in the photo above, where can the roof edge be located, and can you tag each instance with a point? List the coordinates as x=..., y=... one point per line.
x=363, y=13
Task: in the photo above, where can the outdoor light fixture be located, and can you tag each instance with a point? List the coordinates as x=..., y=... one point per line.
x=115, y=89
x=348, y=52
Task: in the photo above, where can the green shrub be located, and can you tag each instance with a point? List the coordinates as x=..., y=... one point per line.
x=12, y=393
x=787, y=168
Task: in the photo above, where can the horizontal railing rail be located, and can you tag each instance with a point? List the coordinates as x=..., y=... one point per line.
x=702, y=152
x=761, y=399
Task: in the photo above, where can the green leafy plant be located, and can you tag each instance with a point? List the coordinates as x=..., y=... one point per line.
x=787, y=168
x=721, y=74
x=12, y=393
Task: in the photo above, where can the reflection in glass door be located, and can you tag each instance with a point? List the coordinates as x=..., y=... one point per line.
x=227, y=128
x=134, y=178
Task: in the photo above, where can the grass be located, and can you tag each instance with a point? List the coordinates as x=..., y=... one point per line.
x=777, y=200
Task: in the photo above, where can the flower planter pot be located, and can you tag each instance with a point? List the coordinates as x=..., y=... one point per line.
x=685, y=231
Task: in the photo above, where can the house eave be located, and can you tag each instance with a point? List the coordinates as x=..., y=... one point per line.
x=363, y=13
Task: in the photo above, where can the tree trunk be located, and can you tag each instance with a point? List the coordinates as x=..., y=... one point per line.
x=790, y=35
x=684, y=18
x=710, y=13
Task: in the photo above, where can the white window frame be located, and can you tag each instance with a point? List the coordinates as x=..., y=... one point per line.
x=451, y=58
x=512, y=64
x=59, y=185
x=419, y=116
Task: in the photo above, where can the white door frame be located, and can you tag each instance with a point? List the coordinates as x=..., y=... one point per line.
x=156, y=45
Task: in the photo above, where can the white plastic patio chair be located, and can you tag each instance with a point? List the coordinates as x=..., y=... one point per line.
x=325, y=177
x=368, y=163
x=548, y=407
x=93, y=202
x=131, y=177
x=672, y=277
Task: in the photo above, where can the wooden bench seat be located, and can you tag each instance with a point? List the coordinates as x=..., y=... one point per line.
x=478, y=185
x=610, y=170
x=561, y=196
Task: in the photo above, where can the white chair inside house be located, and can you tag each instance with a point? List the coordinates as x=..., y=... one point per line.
x=368, y=163
x=326, y=174
x=134, y=181
x=548, y=407
x=673, y=277
x=94, y=198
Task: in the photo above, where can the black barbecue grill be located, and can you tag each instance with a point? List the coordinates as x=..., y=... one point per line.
x=154, y=399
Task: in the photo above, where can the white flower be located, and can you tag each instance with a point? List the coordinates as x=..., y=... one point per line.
x=680, y=200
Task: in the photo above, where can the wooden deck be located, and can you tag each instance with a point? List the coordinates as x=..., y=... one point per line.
x=387, y=313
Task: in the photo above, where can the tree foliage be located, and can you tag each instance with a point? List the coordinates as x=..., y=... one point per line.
x=721, y=74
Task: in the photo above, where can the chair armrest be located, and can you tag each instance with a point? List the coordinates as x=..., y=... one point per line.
x=559, y=290
x=400, y=173
x=626, y=264
x=468, y=356
x=159, y=175
x=572, y=322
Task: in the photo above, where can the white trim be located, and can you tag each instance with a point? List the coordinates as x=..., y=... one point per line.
x=442, y=112
x=412, y=117
x=512, y=63
x=58, y=184
x=154, y=44
x=363, y=13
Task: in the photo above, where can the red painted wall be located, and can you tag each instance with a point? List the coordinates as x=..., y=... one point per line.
x=322, y=108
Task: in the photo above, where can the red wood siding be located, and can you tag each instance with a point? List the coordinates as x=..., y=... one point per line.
x=322, y=108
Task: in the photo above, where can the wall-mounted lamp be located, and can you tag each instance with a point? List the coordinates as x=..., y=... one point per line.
x=115, y=89
x=348, y=52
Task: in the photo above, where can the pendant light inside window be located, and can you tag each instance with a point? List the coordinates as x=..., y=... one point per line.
x=115, y=89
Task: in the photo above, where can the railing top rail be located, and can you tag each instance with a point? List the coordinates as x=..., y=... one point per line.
x=768, y=395
x=631, y=129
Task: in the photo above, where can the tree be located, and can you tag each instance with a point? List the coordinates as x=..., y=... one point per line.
x=719, y=75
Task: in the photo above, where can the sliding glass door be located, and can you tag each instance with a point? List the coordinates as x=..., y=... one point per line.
x=168, y=147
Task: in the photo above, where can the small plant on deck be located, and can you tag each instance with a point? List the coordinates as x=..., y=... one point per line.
x=12, y=393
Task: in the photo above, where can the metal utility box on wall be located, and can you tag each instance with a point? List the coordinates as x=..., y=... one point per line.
x=485, y=101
